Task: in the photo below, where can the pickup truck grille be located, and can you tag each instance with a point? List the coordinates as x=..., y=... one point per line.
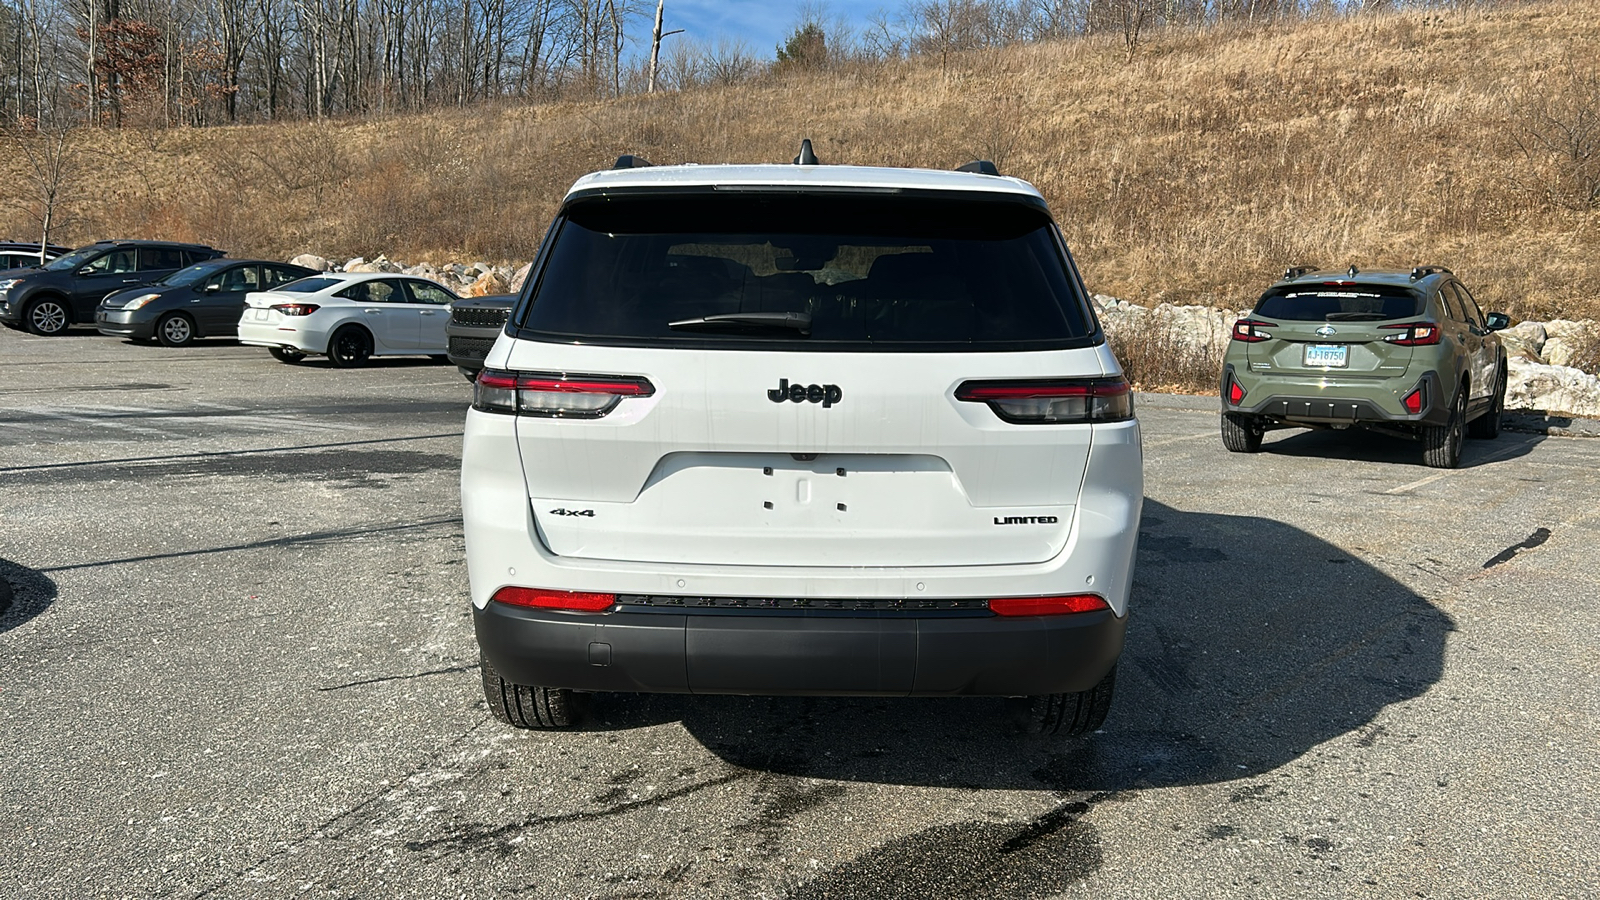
x=479, y=316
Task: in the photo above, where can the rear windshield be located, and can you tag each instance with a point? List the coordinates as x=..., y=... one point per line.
x=1330, y=303
x=855, y=271
x=308, y=285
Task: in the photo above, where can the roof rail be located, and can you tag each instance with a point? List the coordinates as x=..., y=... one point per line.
x=1294, y=272
x=629, y=161
x=1425, y=271
x=979, y=167
x=807, y=157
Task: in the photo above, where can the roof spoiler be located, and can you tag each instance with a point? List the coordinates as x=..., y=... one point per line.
x=1425, y=271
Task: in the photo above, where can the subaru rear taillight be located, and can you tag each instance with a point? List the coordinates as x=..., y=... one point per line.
x=540, y=598
x=1416, y=334
x=1249, y=330
x=1047, y=606
x=296, y=309
x=1055, y=401
x=555, y=395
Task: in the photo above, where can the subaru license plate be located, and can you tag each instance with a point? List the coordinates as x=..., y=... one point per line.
x=1328, y=356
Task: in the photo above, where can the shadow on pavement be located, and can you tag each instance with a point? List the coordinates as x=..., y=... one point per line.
x=1361, y=445
x=24, y=593
x=1250, y=642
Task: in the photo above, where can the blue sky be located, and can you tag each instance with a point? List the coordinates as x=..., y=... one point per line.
x=763, y=24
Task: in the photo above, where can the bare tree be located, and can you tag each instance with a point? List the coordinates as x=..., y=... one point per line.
x=50, y=161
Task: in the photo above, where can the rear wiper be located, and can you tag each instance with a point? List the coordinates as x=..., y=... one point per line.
x=799, y=321
x=1354, y=317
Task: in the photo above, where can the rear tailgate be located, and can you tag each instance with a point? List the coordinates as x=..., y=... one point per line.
x=709, y=469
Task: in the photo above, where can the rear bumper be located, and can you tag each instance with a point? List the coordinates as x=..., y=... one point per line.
x=296, y=337
x=812, y=653
x=1334, y=404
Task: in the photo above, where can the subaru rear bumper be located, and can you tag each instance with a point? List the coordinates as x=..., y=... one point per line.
x=1297, y=402
x=799, y=652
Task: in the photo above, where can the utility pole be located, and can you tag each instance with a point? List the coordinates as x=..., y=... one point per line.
x=655, y=43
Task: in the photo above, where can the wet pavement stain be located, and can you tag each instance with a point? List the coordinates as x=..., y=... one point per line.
x=971, y=860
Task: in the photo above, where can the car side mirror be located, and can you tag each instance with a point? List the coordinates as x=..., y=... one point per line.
x=213, y=287
x=1497, y=321
x=84, y=272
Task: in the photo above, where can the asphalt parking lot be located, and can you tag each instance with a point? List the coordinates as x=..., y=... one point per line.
x=236, y=661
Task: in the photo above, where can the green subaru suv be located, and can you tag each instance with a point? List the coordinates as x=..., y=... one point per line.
x=1401, y=353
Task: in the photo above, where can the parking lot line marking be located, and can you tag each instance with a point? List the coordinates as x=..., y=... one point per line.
x=1506, y=451
x=210, y=453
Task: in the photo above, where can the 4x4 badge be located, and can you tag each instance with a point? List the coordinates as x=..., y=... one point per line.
x=826, y=394
x=1327, y=331
x=572, y=512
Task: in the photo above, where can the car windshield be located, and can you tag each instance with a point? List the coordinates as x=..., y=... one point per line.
x=184, y=277
x=813, y=271
x=1340, y=303
x=72, y=260
x=308, y=285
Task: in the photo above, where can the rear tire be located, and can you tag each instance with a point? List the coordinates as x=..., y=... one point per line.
x=284, y=354
x=1073, y=714
x=350, y=346
x=1241, y=433
x=1487, y=426
x=1441, y=444
x=529, y=707
x=47, y=317
x=175, y=330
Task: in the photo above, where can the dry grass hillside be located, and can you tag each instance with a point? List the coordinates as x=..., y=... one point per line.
x=1195, y=173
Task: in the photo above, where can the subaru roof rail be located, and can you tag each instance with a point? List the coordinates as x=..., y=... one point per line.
x=630, y=161
x=979, y=167
x=1294, y=272
x=1425, y=271
x=807, y=157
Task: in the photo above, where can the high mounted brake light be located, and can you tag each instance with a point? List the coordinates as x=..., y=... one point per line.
x=541, y=598
x=296, y=309
x=555, y=395
x=1416, y=334
x=1248, y=330
x=1047, y=606
x=1053, y=401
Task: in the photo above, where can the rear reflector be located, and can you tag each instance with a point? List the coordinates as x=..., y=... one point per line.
x=1047, y=606
x=540, y=598
x=1053, y=401
x=1235, y=392
x=555, y=395
x=1413, y=401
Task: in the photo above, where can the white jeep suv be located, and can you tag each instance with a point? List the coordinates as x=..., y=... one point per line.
x=824, y=430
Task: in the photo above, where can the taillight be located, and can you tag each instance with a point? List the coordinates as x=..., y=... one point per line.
x=1413, y=401
x=555, y=395
x=296, y=309
x=539, y=598
x=1249, y=330
x=1053, y=401
x=1416, y=334
x=1047, y=606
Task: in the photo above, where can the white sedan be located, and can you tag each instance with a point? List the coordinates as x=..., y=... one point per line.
x=349, y=317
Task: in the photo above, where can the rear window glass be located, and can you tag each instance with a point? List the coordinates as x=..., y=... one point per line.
x=1352, y=303
x=858, y=271
x=309, y=285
